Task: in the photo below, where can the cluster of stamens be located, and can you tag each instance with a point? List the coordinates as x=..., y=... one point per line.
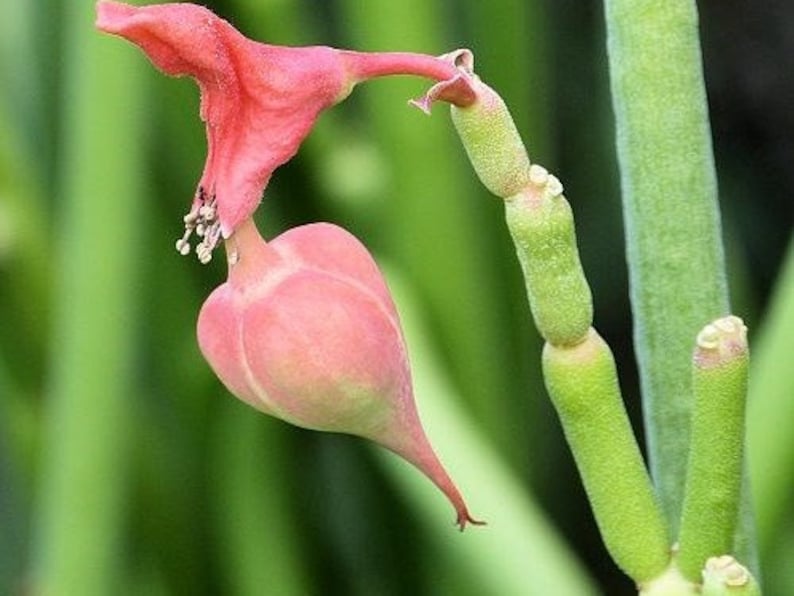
x=727, y=330
x=203, y=219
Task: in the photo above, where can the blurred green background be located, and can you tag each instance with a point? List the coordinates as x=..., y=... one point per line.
x=126, y=468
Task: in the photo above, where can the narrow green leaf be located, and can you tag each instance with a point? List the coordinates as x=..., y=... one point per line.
x=78, y=546
x=770, y=443
x=674, y=249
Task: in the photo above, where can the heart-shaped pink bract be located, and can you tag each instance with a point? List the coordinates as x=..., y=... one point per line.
x=305, y=329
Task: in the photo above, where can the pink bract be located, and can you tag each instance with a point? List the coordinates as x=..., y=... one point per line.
x=305, y=330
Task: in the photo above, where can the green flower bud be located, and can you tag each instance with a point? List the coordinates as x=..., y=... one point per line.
x=583, y=385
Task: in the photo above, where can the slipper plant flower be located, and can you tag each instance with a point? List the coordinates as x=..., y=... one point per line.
x=304, y=328
x=258, y=101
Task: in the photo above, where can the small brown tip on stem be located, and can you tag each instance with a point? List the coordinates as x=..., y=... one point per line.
x=464, y=518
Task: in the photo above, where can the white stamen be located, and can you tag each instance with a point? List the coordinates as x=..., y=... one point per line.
x=538, y=174
x=554, y=186
x=203, y=220
x=709, y=337
x=183, y=247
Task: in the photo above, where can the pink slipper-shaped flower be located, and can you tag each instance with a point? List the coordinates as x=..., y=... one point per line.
x=258, y=101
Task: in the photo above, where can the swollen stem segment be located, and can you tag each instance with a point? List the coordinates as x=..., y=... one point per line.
x=711, y=495
x=582, y=383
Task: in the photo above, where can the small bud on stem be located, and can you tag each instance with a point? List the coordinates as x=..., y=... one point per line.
x=711, y=497
x=725, y=576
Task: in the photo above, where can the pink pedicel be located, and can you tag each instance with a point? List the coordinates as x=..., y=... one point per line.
x=305, y=330
x=258, y=101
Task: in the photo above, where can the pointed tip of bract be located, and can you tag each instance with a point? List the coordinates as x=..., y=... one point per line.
x=408, y=439
x=465, y=518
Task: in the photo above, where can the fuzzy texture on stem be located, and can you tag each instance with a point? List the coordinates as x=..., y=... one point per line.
x=305, y=330
x=495, y=148
x=669, y=583
x=673, y=243
x=583, y=385
x=711, y=498
x=485, y=127
x=538, y=215
x=578, y=367
x=542, y=227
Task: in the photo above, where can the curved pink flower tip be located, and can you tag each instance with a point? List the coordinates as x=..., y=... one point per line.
x=461, y=88
x=258, y=101
x=305, y=330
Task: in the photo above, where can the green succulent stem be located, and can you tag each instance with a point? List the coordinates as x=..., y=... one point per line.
x=542, y=227
x=578, y=366
x=713, y=485
x=669, y=583
x=673, y=243
x=492, y=142
x=582, y=383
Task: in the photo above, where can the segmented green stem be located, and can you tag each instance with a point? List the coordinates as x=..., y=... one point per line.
x=578, y=367
x=541, y=224
x=711, y=498
x=582, y=383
